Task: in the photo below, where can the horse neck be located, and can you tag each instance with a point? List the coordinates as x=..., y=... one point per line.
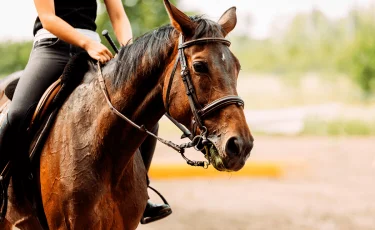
x=139, y=99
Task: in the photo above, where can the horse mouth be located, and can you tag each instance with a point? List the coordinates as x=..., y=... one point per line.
x=219, y=159
x=213, y=156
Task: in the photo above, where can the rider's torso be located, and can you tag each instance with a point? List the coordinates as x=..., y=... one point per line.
x=78, y=13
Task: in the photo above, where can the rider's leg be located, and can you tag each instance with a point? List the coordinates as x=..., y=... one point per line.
x=46, y=63
x=152, y=212
x=5, y=134
x=148, y=147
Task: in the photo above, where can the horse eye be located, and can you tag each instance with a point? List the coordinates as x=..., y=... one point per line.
x=200, y=67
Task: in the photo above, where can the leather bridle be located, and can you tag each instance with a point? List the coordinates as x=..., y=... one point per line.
x=199, y=141
x=198, y=111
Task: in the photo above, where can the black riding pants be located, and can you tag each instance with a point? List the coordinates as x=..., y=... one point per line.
x=46, y=63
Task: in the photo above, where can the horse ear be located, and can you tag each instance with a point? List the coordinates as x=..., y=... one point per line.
x=228, y=20
x=179, y=20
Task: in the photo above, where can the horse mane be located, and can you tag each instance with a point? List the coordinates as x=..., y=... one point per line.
x=148, y=51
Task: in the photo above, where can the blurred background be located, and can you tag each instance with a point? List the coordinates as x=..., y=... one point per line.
x=308, y=82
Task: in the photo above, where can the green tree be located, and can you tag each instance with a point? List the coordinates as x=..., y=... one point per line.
x=362, y=57
x=14, y=56
x=143, y=15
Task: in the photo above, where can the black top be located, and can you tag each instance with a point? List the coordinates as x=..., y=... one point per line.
x=78, y=13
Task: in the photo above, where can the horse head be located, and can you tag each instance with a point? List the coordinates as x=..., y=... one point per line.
x=205, y=98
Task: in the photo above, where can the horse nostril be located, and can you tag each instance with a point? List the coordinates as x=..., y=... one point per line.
x=237, y=146
x=233, y=146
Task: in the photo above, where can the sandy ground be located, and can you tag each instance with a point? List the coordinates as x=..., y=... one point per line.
x=328, y=184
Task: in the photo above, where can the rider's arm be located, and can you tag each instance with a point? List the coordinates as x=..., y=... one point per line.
x=64, y=31
x=119, y=20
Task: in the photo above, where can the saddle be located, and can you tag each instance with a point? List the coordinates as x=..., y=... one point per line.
x=43, y=104
x=42, y=119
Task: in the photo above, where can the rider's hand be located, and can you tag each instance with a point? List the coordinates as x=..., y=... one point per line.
x=98, y=51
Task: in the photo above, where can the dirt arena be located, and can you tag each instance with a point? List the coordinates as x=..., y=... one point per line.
x=327, y=184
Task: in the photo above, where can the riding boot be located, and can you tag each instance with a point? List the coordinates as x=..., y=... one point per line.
x=6, y=142
x=148, y=147
x=13, y=147
x=152, y=212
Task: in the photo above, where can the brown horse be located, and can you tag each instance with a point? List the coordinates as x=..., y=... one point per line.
x=91, y=173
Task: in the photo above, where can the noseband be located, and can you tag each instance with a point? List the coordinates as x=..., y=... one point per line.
x=198, y=111
x=198, y=141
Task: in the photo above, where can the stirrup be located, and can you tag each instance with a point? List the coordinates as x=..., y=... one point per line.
x=161, y=196
x=146, y=220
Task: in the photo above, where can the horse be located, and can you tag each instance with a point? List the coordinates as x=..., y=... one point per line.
x=91, y=174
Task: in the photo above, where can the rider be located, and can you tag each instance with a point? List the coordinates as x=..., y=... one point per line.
x=62, y=29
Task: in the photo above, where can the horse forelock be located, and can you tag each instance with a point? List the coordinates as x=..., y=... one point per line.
x=149, y=51
x=206, y=28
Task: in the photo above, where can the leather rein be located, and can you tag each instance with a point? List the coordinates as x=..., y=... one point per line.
x=199, y=142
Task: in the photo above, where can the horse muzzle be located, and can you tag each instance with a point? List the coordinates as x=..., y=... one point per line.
x=229, y=154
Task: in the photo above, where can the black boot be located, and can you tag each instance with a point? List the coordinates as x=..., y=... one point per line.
x=155, y=212
x=152, y=212
x=6, y=142
x=5, y=145
x=14, y=162
x=14, y=146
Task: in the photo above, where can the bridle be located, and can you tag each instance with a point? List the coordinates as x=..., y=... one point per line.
x=199, y=113
x=199, y=141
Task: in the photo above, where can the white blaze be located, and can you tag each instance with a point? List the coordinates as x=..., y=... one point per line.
x=223, y=57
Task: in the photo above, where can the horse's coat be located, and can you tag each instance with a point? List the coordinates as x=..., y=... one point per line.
x=91, y=173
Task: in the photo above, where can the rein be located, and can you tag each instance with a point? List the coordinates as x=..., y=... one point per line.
x=179, y=148
x=199, y=142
